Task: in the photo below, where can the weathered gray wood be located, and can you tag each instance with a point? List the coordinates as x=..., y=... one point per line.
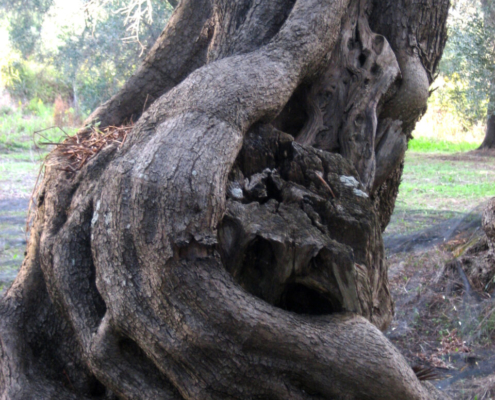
x=488, y=221
x=306, y=222
x=361, y=70
x=214, y=256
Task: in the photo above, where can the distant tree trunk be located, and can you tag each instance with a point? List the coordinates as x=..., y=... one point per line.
x=489, y=141
x=231, y=248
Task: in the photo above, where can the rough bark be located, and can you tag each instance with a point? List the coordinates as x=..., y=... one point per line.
x=476, y=265
x=231, y=248
x=417, y=33
x=488, y=221
x=489, y=140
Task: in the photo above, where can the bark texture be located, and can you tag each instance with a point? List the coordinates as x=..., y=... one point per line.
x=489, y=140
x=478, y=261
x=231, y=248
x=488, y=221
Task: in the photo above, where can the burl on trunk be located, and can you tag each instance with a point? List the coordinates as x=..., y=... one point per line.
x=231, y=247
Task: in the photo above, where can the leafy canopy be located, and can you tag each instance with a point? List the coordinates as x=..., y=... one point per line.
x=80, y=50
x=468, y=67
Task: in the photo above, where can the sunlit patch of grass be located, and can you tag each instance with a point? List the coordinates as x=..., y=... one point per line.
x=428, y=145
x=15, y=169
x=31, y=155
x=437, y=187
x=17, y=177
x=445, y=184
x=442, y=132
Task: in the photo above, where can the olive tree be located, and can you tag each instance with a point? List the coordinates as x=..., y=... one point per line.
x=231, y=246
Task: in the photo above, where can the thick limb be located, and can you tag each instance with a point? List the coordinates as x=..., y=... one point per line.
x=180, y=49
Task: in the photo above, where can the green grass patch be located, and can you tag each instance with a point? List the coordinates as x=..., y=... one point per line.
x=16, y=169
x=428, y=145
x=31, y=155
x=436, y=186
x=441, y=183
x=17, y=128
x=430, y=195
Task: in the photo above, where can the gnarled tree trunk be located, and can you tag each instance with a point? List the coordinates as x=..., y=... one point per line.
x=231, y=248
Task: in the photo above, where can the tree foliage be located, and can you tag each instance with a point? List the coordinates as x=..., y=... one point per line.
x=25, y=22
x=81, y=54
x=468, y=64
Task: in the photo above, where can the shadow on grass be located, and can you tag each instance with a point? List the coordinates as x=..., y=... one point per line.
x=427, y=229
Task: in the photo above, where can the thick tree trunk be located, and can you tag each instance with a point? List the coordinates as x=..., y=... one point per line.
x=489, y=141
x=231, y=248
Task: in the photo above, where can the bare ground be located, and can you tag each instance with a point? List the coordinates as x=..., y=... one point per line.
x=440, y=320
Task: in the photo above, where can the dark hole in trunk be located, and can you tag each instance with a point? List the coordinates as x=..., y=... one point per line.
x=98, y=389
x=294, y=116
x=258, y=269
x=362, y=59
x=303, y=300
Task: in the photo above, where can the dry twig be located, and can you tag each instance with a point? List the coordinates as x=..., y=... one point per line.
x=80, y=148
x=76, y=151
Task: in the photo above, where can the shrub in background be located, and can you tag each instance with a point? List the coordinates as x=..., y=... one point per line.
x=28, y=80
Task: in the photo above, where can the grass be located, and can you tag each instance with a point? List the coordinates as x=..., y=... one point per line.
x=440, y=131
x=441, y=183
x=20, y=151
x=439, y=187
x=428, y=145
x=441, y=179
x=17, y=178
x=18, y=127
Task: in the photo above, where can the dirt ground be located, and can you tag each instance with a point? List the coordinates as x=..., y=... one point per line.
x=439, y=320
x=437, y=323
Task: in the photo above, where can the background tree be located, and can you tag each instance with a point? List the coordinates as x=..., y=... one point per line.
x=77, y=51
x=489, y=20
x=26, y=21
x=231, y=247
x=468, y=65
